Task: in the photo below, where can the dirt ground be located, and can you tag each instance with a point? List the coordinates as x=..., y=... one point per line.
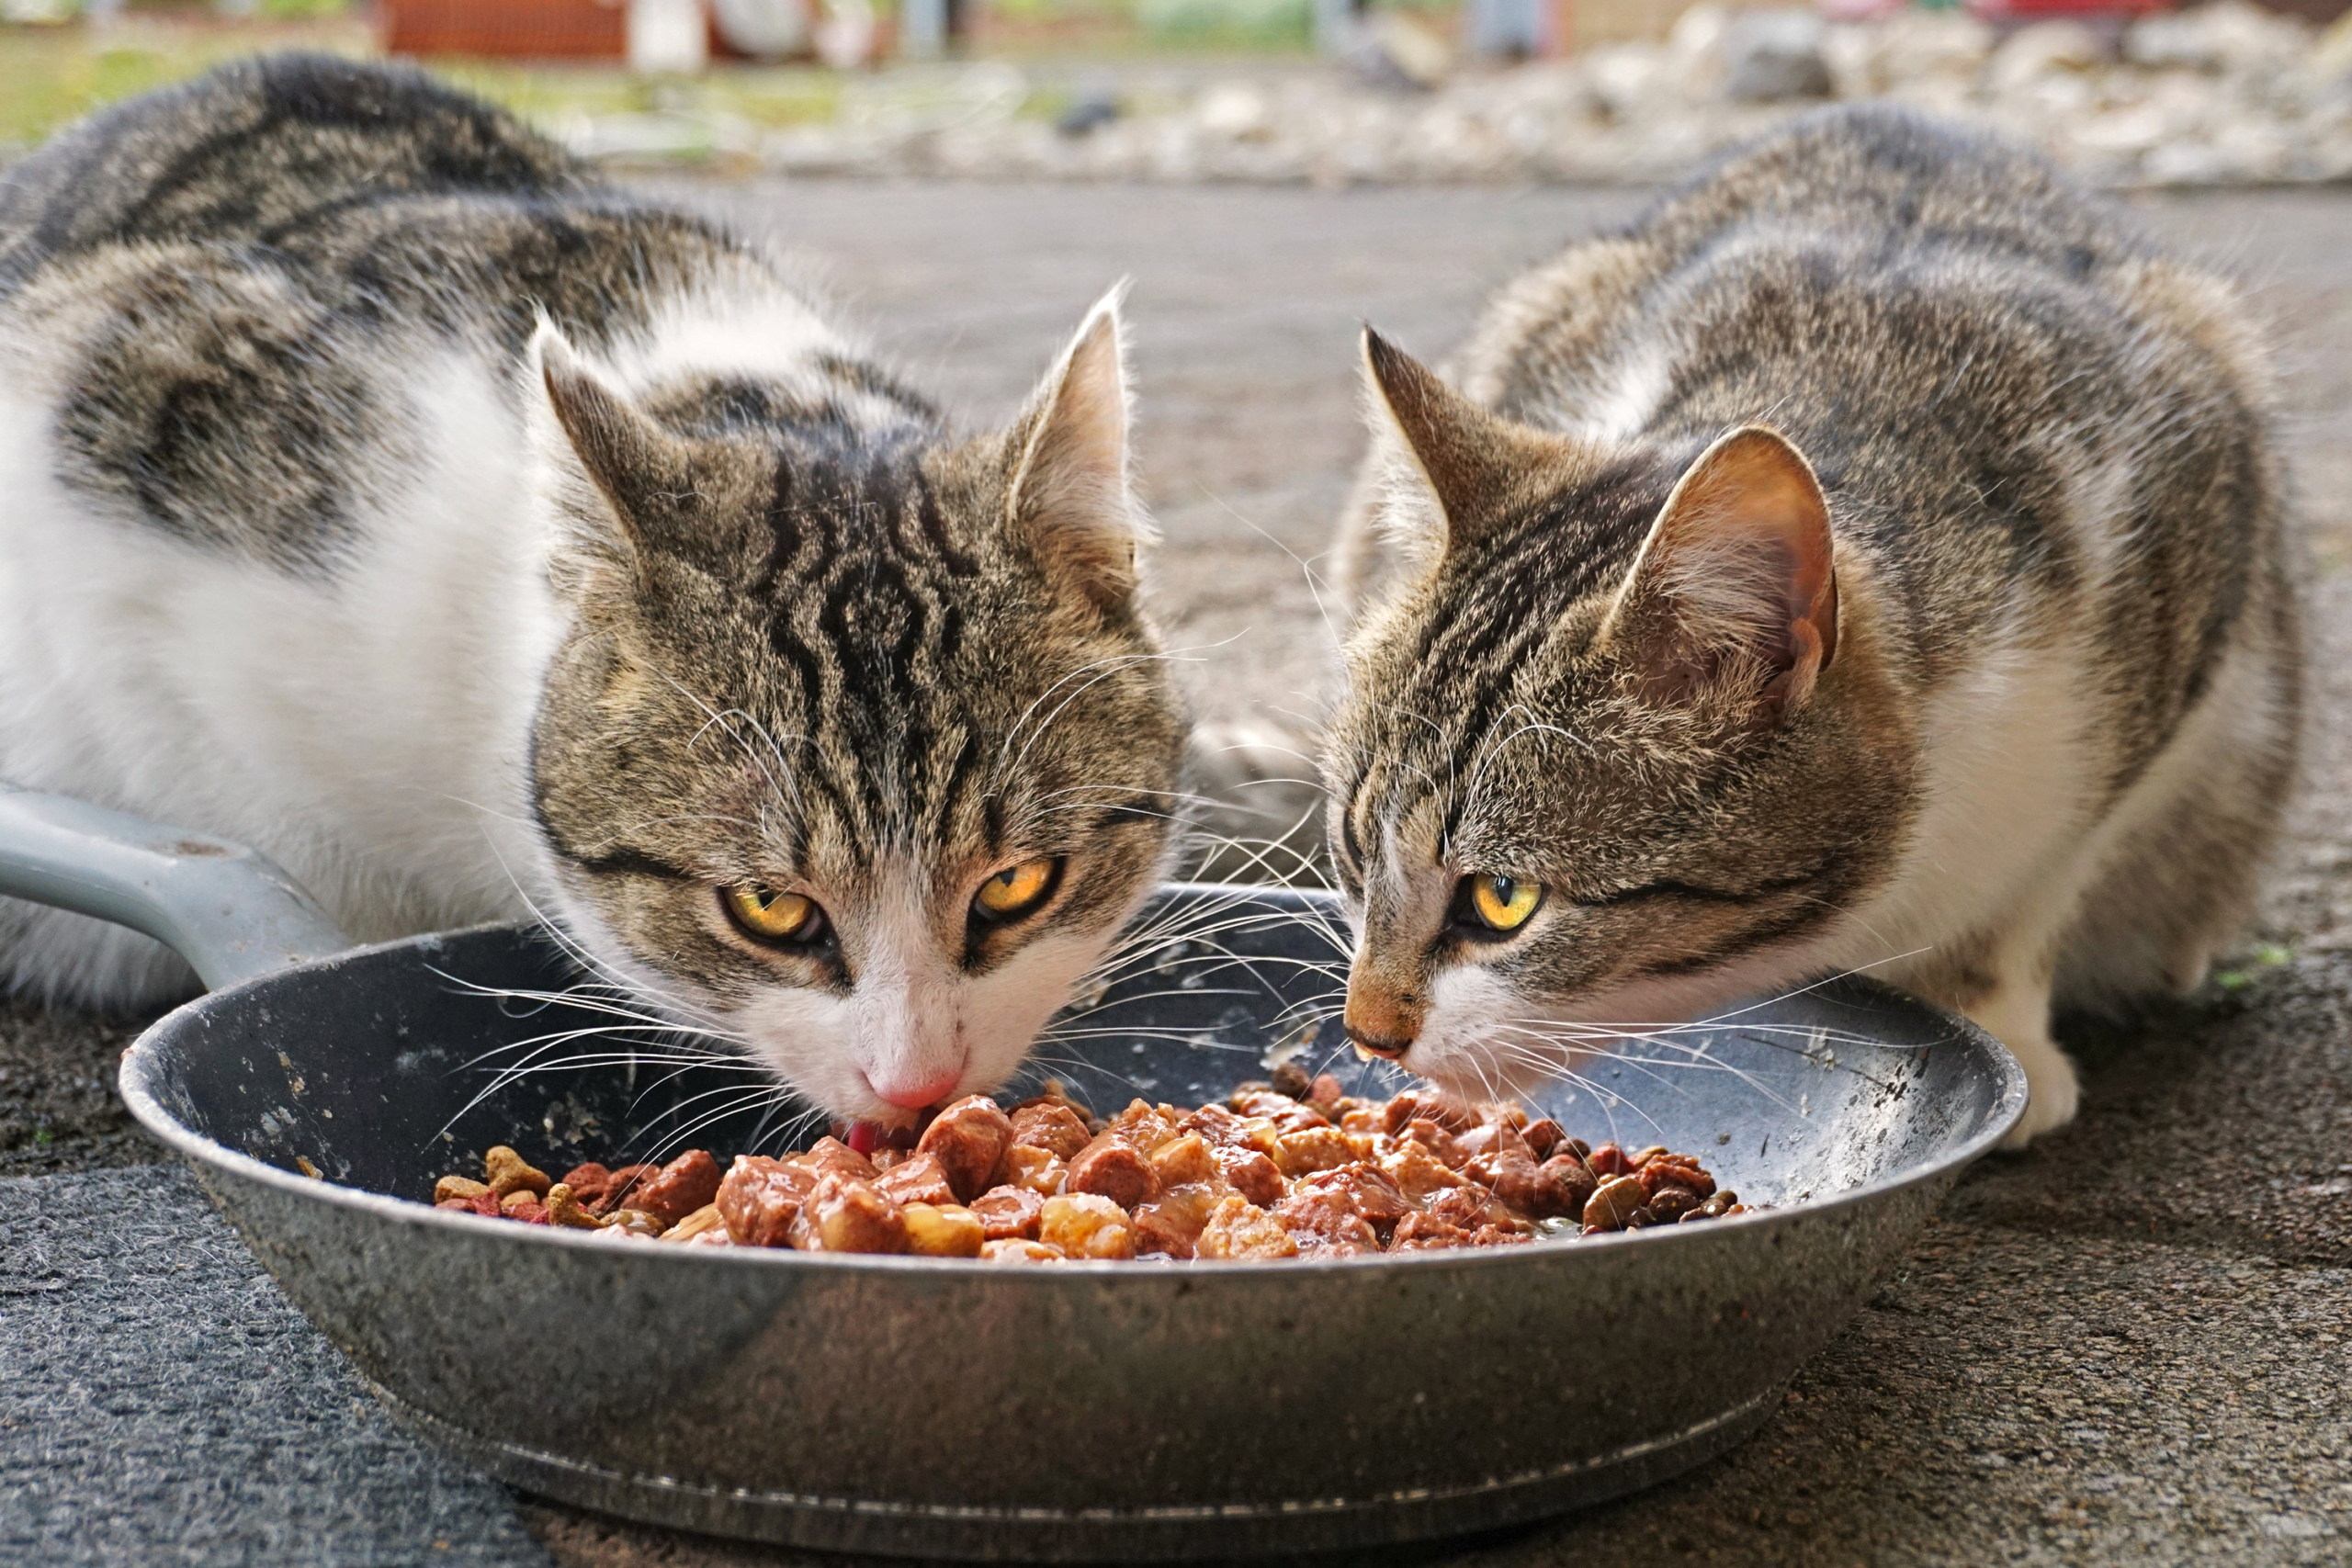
x=2127, y=1344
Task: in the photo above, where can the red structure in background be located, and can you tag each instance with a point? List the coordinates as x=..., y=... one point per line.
x=523, y=29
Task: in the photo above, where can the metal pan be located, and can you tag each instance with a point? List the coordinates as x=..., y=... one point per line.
x=983, y=1411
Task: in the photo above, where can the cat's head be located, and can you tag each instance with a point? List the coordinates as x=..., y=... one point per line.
x=1621, y=745
x=858, y=745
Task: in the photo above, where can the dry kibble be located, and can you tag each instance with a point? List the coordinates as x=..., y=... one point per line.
x=1618, y=1198
x=457, y=1186
x=564, y=1210
x=1669, y=1204
x=516, y=1199
x=507, y=1173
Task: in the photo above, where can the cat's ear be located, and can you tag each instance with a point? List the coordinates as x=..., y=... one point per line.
x=1453, y=470
x=590, y=433
x=1069, y=499
x=1735, y=586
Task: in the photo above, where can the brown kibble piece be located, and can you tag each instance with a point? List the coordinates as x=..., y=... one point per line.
x=457, y=1186
x=506, y=1172
x=1083, y=1225
x=1110, y=1167
x=1608, y=1161
x=516, y=1199
x=1237, y=1228
x=920, y=1178
x=1008, y=1213
x=1325, y=1093
x=591, y=1183
x=1051, y=1126
x=1618, y=1197
x=1642, y=1156
x=1545, y=1138
x=564, y=1210
x=943, y=1230
x=684, y=1185
x=968, y=1138
x=1671, y=1204
x=530, y=1210
x=761, y=1197
x=1576, y=1181
x=1292, y=1081
x=1675, y=1170
x=846, y=1214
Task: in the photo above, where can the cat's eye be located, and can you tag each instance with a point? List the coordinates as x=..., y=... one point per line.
x=1017, y=889
x=771, y=916
x=1503, y=903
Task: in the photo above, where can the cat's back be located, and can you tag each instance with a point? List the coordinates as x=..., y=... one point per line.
x=271, y=152
x=2018, y=404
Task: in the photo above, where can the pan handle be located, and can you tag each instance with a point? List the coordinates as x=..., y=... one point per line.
x=229, y=910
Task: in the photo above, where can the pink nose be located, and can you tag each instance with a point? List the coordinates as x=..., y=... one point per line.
x=915, y=1096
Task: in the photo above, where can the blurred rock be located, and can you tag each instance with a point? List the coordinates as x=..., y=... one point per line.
x=2043, y=49
x=1394, y=50
x=1773, y=56
x=1089, y=113
x=2225, y=37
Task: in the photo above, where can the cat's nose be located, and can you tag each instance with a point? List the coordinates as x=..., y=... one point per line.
x=1381, y=1020
x=915, y=1093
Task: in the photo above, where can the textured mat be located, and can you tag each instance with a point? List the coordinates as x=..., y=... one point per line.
x=161, y=1402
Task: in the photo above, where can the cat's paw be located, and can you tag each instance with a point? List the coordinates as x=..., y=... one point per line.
x=2053, y=1092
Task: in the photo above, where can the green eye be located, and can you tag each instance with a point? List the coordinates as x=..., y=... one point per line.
x=1017, y=889
x=771, y=915
x=1502, y=904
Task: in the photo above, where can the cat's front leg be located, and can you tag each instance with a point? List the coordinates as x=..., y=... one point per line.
x=2016, y=1011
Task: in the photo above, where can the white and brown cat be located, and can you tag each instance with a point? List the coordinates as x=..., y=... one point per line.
x=1874, y=557
x=379, y=488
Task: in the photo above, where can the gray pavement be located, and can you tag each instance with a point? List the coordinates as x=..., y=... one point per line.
x=2127, y=1345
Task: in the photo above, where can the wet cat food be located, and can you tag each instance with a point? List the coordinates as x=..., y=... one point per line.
x=1294, y=1167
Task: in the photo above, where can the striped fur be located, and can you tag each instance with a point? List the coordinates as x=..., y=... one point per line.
x=2054, y=733
x=474, y=539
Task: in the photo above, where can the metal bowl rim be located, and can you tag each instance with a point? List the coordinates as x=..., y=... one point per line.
x=139, y=1061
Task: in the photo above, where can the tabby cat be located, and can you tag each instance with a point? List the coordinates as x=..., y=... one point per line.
x=1874, y=558
x=379, y=488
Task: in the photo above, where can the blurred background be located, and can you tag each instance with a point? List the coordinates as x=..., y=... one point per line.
x=2130, y=92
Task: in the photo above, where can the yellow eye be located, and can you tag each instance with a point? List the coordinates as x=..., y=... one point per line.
x=1017, y=889
x=1502, y=904
x=771, y=915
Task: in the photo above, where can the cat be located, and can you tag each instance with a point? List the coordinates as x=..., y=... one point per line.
x=1874, y=557
x=476, y=541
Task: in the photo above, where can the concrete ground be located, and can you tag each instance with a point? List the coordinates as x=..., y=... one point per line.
x=2128, y=1344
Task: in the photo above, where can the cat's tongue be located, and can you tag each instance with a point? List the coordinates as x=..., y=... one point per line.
x=867, y=1136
